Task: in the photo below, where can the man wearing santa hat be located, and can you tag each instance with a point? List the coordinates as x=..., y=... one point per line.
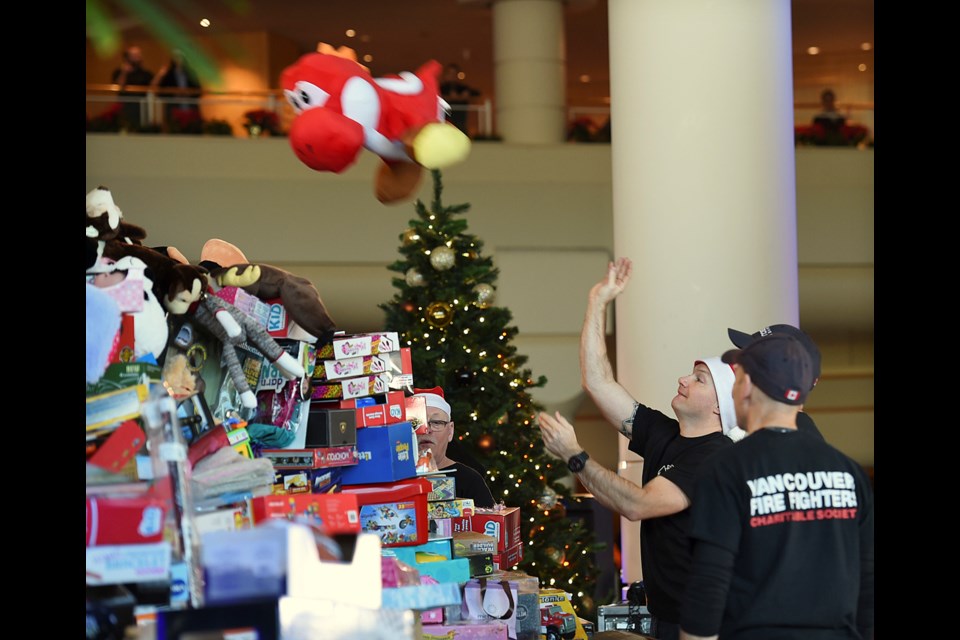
x=440, y=426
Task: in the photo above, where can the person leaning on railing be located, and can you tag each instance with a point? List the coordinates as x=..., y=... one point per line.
x=132, y=73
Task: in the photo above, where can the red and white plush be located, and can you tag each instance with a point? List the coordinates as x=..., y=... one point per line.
x=341, y=109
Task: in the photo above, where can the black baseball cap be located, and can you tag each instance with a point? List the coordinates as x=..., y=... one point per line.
x=778, y=364
x=742, y=339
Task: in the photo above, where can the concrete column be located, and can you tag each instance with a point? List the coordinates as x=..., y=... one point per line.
x=704, y=193
x=529, y=55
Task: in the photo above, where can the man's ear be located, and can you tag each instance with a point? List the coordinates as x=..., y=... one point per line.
x=453, y=427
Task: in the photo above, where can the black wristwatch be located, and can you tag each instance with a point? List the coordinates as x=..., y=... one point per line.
x=577, y=462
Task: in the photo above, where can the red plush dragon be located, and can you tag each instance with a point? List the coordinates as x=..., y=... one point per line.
x=341, y=109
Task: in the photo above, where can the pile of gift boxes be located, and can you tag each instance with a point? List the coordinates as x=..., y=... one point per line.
x=342, y=443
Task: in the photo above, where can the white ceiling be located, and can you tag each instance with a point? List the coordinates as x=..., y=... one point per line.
x=402, y=34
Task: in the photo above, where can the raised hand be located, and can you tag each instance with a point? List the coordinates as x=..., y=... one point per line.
x=559, y=438
x=613, y=284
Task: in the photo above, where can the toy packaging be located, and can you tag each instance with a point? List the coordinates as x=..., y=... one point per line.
x=396, y=511
x=559, y=597
x=331, y=427
x=386, y=454
x=317, y=458
x=503, y=524
x=333, y=513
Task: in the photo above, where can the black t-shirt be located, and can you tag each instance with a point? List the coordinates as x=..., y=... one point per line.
x=470, y=484
x=798, y=516
x=664, y=546
x=805, y=424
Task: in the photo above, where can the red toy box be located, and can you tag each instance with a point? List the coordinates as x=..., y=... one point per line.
x=396, y=511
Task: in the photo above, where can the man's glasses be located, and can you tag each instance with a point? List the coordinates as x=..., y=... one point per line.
x=437, y=425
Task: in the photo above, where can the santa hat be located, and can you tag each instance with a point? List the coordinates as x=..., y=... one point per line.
x=723, y=378
x=434, y=398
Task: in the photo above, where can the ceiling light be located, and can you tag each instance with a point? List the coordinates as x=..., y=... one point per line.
x=862, y=67
x=368, y=58
x=866, y=46
x=204, y=22
x=350, y=33
x=813, y=50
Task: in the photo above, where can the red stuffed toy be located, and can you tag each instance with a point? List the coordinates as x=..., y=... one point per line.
x=341, y=109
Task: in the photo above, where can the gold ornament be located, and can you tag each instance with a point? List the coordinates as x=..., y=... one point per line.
x=439, y=314
x=442, y=258
x=409, y=237
x=485, y=295
x=414, y=278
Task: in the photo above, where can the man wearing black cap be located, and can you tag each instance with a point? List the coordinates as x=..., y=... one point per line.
x=805, y=423
x=781, y=524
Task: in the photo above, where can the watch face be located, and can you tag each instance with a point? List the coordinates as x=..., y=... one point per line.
x=577, y=462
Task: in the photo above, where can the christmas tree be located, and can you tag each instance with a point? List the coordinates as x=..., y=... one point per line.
x=461, y=341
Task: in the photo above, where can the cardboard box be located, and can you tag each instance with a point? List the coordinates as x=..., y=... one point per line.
x=386, y=454
x=331, y=427
x=463, y=523
x=316, y=458
x=378, y=409
x=439, y=528
x=257, y=309
x=412, y=555
x=562, y=599
x=480, y=564
x=291, y=481
x=268, y=561
x=444, y=488
x=351, y=387
x=452, y=508
x=121, y=375
x=503, y=524
x=233, y=517
x=396, y=511
x=469, y=543
x=326, y=480
x=125, y=520
x=120, y=564
x=387, y=398
x=361, y=344
x=507, y=559
x=415, y=412
x=333, y=513
x=466, y=630
x=396, y=363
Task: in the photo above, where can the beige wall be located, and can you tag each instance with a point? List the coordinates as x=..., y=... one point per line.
x=545, y=216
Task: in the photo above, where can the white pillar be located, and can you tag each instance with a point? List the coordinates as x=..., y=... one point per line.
x=529, y=55
x=704, y=193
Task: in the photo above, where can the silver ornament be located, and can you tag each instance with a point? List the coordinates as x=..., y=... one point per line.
x=442, y=258
x=484, y=295
x=414, y=278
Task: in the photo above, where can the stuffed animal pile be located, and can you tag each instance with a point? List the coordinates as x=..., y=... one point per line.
x=174, y=307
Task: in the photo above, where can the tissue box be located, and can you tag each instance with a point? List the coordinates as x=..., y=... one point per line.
x=334, y=513
x=504, y=525
x=331, y=427
x=397, y=511
x=385, y=454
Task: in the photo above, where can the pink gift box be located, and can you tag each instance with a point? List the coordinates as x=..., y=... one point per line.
x=431, y=616
x=466, y=630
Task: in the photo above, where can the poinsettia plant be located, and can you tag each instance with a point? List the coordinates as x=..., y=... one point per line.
x=259, y=121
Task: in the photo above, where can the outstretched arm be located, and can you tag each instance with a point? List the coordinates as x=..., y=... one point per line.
x=657, y=498
x=596, y=373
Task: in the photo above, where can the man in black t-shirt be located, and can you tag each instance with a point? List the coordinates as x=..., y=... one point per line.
x=468, y=482
x=672, y=451
x=782, y=525
x=805, y=423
